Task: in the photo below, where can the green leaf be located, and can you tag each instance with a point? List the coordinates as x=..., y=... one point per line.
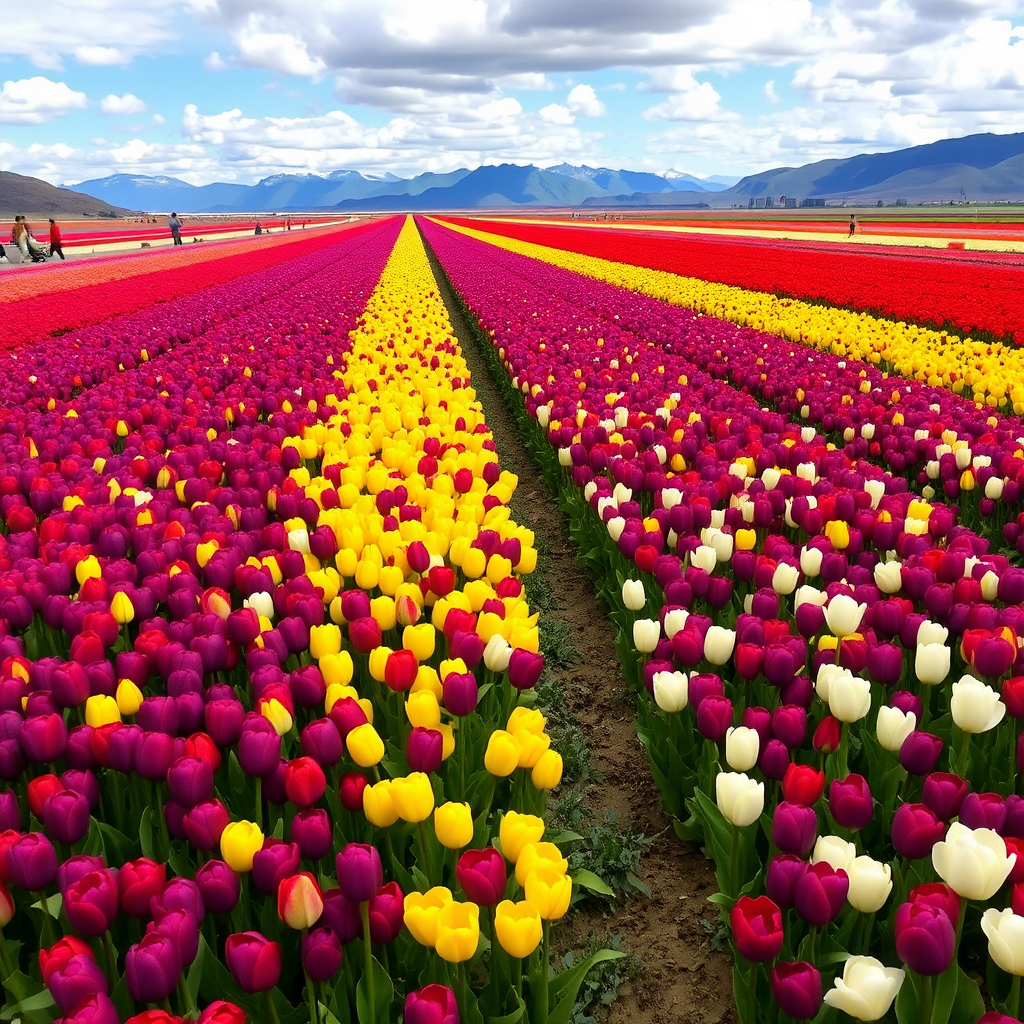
x=511, y=1018
x=592, y=882
x=117, y=845
x=195, y=972
x=566, y=986
x=383, y=993
x=146, y=833
x=968, y=1006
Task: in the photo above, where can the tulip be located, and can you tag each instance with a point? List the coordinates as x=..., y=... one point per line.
x=304, y=781
x=502, y=755
x=432, y=1004
x=802, y=784
x=385, y=911
x=91, y=902
x=820, y=894
x=741, y=748
x=1004, y=930
x=893, y=726
x=321, y=954
x=299, y=901
x=413, y=797
x=421, y=911
x=516, y=831
x=783, y=876
x=482, y=875
x=152, y=968
x=633, y=596
x=850, y=802
x=867, y=988
x=756, y=928
x=542, y=855
x=74, y=979
x=931, y=663
x=974, y=863
x=976, y=707
x=925, y=938
x=549, y=889
x=458, y=932
x=646, y=634
x=920, y=752
x=718, y=645
x=254, y=961
x=311, y=832
x=794, y=828
x=518, y=927
x=670, y=691
x=219, y=885
x=364, y=745
x=239, y=843
x=360, y=872
x=849, y=697
x=739, y=798
x=915, y=831
x=796, y=986
x=870, y=884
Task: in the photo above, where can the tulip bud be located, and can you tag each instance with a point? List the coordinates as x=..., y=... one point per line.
x=742, y=746
x=867, y=988
x=299, y=901
x=253, y=960
x=739, y=798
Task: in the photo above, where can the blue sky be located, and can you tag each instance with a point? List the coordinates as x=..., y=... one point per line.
x=234, y=90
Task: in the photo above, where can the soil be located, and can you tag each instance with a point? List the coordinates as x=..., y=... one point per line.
x=684, y=980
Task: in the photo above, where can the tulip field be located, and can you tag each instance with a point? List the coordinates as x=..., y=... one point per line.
x=270, y=742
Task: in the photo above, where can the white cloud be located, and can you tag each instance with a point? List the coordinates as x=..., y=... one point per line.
x=38, y=100
x=583, y=102
x=769, y=92
x=276, y=51
x=690, y=100
x=117, y=106
x=102, y=56
x=215, y=62
x=159, y=119
x=555, y=113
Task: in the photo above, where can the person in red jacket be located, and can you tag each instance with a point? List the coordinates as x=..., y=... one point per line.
x=56, y=248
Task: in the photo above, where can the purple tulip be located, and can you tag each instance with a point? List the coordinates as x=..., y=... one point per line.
x=920, y=752
x=796, y=986
x=915, y=830
x=820, y=894
x=794, y=828
x=359, y=870
x=925, y=938
x=850, y=802
x=943, y=793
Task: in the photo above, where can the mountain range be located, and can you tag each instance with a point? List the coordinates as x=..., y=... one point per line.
x=21, y=194
x=983, y=168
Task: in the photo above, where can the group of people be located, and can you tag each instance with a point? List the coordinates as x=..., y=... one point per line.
x=24, y=240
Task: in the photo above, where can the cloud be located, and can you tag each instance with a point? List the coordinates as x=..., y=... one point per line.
x=583, y=102
x=690, y=100
x=38, y=100
x=769, y=92
x=117, y=106
x=215, y=62
x=276, y=51
x=101, y=56
x=555, y=113
x=159, y=119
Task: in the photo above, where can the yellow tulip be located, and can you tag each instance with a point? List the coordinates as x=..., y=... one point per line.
x=378, y=805
x=518, y=830
x=383, y=610
x=239, y=843
x=539, y=853
x=527, y=718
x=421, y=640
x=453, y=823
x=531, y=747
x=458, y=932
x=128, y=696
x=278, y=715
x=549, y=890
x=518, y=927
x=122, y=609
x=365, y=746
x=101, y=710
x=422, y=709
x=88, y=569
x=324, y=641
x=413, y=796
x=547, y=772
x=422, y=911
x=502, y=755
x=337, y=669
x=377, y=662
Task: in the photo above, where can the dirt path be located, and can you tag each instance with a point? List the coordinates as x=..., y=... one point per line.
x=684, y=979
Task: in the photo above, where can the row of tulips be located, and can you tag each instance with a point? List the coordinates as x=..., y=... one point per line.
x=819, y=650
x=267, y=729
x=94, y=290
x=900, y=285
x=944, y=444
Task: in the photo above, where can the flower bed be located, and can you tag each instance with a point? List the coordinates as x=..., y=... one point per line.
x=968, y=296
x=829, y=665
x=265, y=681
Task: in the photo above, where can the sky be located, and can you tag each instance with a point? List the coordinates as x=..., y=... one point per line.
x=235, y=90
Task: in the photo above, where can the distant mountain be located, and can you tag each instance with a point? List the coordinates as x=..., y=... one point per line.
x=21, y=194
x=982, y=168
x=985, y=167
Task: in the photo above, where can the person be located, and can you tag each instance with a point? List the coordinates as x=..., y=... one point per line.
x=853, y=225
x=175, y=225
x=56, y=245
x=19, y=238
x=259, y=228
x=26, y=241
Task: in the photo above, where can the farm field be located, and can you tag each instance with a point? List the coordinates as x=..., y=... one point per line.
x=486, y=620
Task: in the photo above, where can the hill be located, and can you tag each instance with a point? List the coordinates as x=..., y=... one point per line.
x=22, y=194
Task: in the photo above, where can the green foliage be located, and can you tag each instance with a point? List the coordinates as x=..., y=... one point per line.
x=614, y=855
x=601, y=986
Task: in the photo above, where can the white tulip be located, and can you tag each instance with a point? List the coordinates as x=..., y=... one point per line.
x=646, y=634
x=564, y=458
x=543, y=415
x=718, y=644
x=1005, y=932
x=810, y=561
x=974, y=862
x=739, y=798
x=671, y=691
x=718, y=518
x=662, y=452
x=828, y=672
x=670, y=497
x=723, y=545
x=893, y=727
x=770, y=478
x=261, y=603
x=739, y=470
x=990, y=586
x=785, y=578
x=888, y=577
x=142, y=498
x=590, y=490
x=976, y=707
x=498, y=651
x=849, y=697
x=806, y=471
x=704, y=557
x=808, y=434
x=867, y=431
x=742, y=746
x=843, y=615
x=932, y=633
x=994, y=488
x=931, y=663
x=867, y=988
x=615, y=526
x=837, y=853
x=621, y=416
x=298, y=540
x=633, y=596
x=621, y=493
x=876, y=489
x=675, y=620
x=963, y=458
x=870, y=884
x=809, y=595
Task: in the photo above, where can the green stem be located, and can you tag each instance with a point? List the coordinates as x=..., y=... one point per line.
x=259, y=803
x=47, y=923
x=545, y=970
x=963, y=754
x=517, y=978
x=364, y=909
x=751, y=1014
x=5, y=956
x=110, y=958
x=463, y=995
x=1013, y=1005
x=925, y=1004
x=314, y=1010
x=734, y=864
x=271, y=1008
x=428, y=867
